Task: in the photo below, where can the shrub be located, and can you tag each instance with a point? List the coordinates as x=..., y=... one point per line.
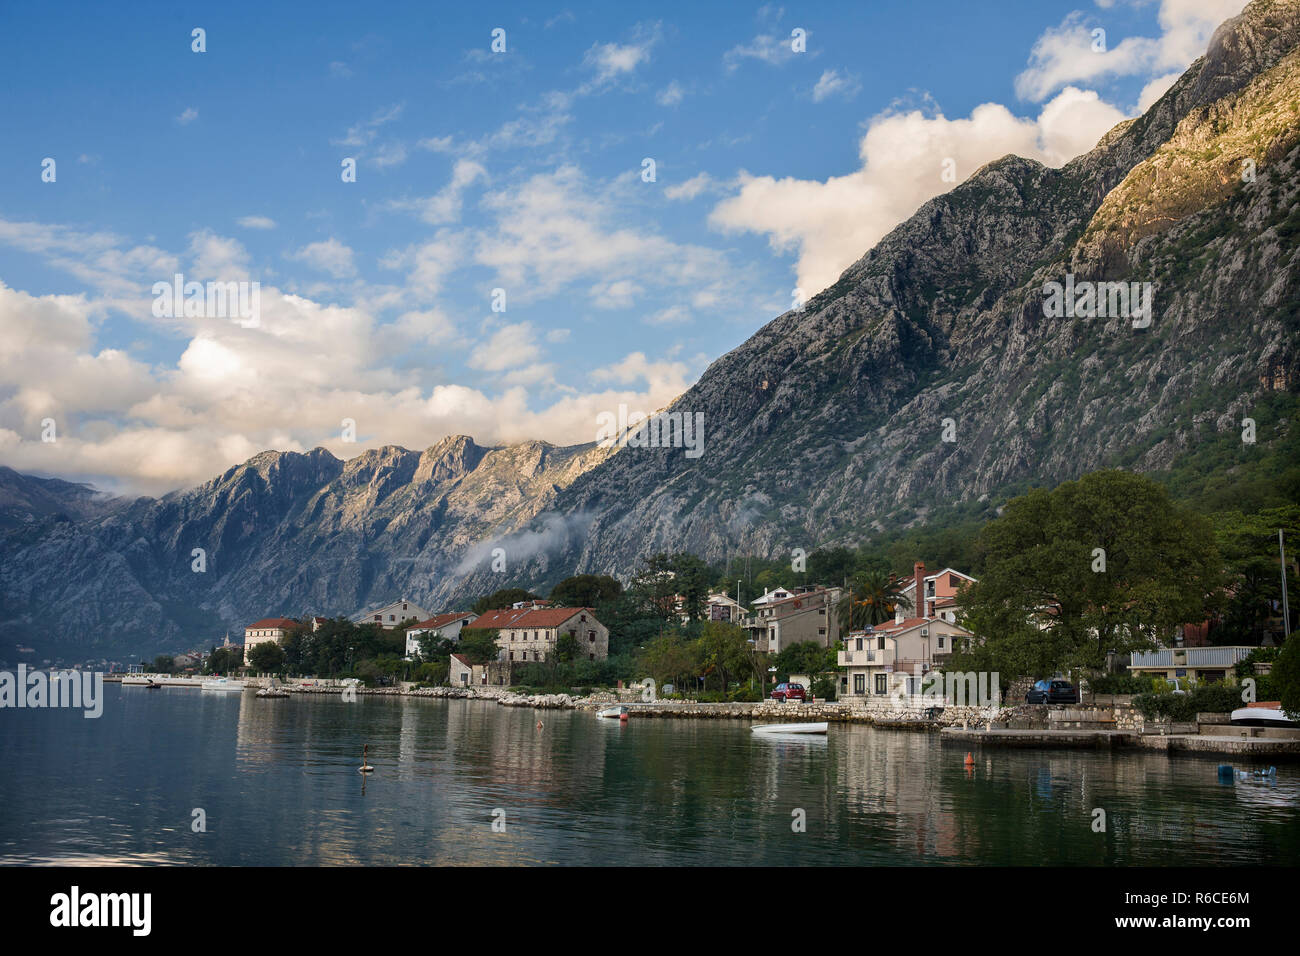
x=1216, y=698
x=1262, y=655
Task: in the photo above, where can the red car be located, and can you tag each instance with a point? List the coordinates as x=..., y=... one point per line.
x=784, y=692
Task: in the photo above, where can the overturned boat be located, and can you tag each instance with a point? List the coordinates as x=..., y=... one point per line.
x=816, y=728
x=1264, y=713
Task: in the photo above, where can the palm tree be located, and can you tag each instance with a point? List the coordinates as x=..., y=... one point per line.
x=875, y=597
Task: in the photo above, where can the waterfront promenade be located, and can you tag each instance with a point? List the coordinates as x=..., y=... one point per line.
x=1107, y=723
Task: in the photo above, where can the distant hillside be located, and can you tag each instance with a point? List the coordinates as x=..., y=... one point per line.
x=826, y=427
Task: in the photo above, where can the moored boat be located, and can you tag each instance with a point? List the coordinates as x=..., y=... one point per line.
x=1262, y=714
x=223, y=684
x=814, y=728
x=615, y=712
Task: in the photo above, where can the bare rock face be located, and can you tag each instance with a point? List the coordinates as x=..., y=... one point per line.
x=826, y=424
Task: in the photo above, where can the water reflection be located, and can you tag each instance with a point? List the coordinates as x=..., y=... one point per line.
x=279, y=784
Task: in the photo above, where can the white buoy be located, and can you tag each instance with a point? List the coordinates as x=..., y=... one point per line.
x=365, y=767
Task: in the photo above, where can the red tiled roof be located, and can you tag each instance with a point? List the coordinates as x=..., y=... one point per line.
x=496, y=619
x=905, y=624
x=799, y=597
x=268, y=622
x=527, y=617
x=551, y=616
x=464, y=660
x=442, y=620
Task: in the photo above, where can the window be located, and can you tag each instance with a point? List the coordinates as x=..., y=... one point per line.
x=880, y=646
x=591, y=637
x=859, y=683
x=582, y=618
x=882, y=684
x=859, y=643
x=821, y=631
x=941, y=642
x=822, y=611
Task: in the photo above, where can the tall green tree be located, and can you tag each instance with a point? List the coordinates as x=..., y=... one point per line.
x=1285, y=676
x=724, y=654
x=586, y=590
x=479, y=646
x=873, y=598
x=1253, y=589
x=267, y=657
x=506, y=597
x=1105, y=563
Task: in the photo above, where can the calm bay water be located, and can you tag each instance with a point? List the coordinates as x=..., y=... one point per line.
x=278, y=782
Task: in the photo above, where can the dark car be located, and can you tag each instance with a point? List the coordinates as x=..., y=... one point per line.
x=1052, y=692
x=784, y=692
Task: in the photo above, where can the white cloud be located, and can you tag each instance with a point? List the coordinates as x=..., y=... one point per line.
x=689, y=189
x=329, y=256
x=256, y=222
x=508, y=347
x=670, y=95
x=217, y=257
x=835, y=83
x=613, y=61
x=445, y=205
x=557, y=228
x=364, y=133
x=774, y=49
x=187, y=117
x=831, y=224
x=1066, y=53
x=1156, y=89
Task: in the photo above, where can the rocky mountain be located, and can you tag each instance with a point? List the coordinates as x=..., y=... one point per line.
x=929, y=377
x=25, y=499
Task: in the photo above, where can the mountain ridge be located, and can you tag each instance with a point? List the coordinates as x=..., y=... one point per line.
x=824, y=425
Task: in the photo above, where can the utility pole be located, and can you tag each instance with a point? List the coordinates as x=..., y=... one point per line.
x=1286, y=608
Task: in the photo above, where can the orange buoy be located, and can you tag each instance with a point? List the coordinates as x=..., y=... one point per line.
x=970, y=761
x=622, y=718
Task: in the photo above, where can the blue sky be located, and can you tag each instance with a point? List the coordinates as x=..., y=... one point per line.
x=477, y=171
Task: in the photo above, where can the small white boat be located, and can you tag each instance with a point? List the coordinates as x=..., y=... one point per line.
x=137, y=681
x=819, y=728
x=1268, y=715
x=615, y=712
x=223, y=683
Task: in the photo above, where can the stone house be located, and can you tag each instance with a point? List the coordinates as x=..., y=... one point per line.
x=391, y=615
x=808, y=614
x=531, y=634
x=441, y=626
x=894, y=657
x=267, y=629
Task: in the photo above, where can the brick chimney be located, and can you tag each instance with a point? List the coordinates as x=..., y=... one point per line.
x=918, y=575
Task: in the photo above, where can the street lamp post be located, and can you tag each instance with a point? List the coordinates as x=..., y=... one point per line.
x=1286, y=608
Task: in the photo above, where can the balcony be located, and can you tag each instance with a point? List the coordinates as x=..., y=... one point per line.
x=873, y=657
